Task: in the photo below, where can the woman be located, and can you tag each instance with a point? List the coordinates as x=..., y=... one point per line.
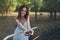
x=23, y=24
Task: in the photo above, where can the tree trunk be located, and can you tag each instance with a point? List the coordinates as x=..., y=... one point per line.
x=51, y=15
x=54, y=16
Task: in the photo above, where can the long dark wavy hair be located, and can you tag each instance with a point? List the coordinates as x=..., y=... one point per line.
x=19, y=12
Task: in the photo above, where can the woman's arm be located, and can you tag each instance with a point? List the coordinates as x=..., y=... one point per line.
x=29, y=27
x=28, y=22
x=20, y=25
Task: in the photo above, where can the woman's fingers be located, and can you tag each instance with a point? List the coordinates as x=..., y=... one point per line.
x=29, y=32
x=32, y=31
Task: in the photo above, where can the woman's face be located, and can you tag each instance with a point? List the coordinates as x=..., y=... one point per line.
x=23, y=11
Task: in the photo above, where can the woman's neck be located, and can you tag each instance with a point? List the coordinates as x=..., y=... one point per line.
x=22, y=17
x=22, y=20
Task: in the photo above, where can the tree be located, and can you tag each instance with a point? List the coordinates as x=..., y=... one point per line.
x=7, y=6
x=50, y=6
x=58, y=6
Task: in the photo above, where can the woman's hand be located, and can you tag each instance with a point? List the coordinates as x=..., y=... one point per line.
x=26, y=33
x=32, y=32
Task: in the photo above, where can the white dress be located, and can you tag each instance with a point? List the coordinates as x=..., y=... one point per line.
x=20, y=36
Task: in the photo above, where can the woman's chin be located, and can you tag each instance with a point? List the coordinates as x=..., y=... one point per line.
x=22, y=15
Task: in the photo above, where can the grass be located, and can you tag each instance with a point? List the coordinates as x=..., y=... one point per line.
x=7, y=25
